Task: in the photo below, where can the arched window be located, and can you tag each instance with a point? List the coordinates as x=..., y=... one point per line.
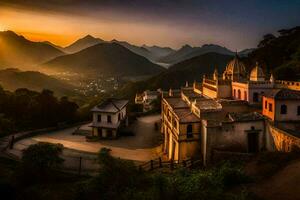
x=283, y=109
x=234, y=93
x=245, y=96
x=255, y=97
x=239, y=94
x=189, y=131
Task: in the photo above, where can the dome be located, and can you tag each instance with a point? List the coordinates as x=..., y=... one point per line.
x=257, y=74
x=235, y=69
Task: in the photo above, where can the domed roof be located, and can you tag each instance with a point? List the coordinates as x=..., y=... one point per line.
x=235, y=67
x=257, y=74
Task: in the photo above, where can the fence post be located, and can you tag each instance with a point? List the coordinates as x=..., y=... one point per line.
x=80, y=162
x=151, y=164
x=159, y=162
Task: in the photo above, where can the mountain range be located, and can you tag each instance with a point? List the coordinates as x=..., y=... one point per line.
x=108, y=59
x=17, y=51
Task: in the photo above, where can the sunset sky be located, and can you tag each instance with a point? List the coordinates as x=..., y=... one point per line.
x=235, y=24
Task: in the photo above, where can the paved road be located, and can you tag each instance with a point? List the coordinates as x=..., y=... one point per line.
x=144, y=146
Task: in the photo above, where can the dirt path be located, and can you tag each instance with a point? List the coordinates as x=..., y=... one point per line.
x=144, y=146
x=284, y=185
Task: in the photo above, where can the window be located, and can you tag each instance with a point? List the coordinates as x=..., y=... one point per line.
x=99, y=118
x=298, y=110
x=119, y=117
x=108, y=119
x=283, y=109
x=255, y=97
x=266, y=104
x=239, y=94
x=234, y=93
x=245, y=96
x=189, y=131
x=270, y=107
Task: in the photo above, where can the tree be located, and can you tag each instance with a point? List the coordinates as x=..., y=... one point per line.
x=42, y=156
x=266, y=40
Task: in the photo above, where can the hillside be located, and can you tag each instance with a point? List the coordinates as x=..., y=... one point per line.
x=159, y=52
x=17, y=51
x=176, y=76
x=107, y=59
x=82, y=43
x=280, y=54
x=12, y=79
x=187, y=52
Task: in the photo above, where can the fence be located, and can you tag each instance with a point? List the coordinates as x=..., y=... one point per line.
x=170, y=164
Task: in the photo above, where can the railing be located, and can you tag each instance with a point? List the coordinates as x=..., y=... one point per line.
x=170, y=164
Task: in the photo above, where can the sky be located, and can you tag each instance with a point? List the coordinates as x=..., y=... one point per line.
x=236, y=24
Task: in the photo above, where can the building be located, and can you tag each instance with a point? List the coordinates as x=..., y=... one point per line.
x=224, y=114
x=109, y=117
x=146, y=99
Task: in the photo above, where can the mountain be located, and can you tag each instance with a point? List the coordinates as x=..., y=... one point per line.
x=159, y=52
x=187, y=52
x=12, y=79
x=82, y=43
x=135, y=49
x=107, y=59
x=17, y=51
x=245, y=52
x=279, y=54
x=176, y=76
x=55, y=46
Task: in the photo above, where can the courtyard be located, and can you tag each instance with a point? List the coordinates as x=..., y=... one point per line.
x=143, y=146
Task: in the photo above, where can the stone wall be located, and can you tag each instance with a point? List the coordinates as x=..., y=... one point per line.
x=283, y=140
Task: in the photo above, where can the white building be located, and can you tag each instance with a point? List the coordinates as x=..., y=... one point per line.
x=108, y=117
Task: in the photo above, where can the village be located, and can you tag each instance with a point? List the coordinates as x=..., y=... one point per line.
x=235, y=114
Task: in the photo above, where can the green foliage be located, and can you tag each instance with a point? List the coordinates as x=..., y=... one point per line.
x=25, y=109
x=42, y=156
x=119, y=179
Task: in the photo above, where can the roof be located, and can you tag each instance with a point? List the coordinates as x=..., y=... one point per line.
x=176, y=102
x=186, y=116
x=110, y=106
x=284, y=94
x=256, y=73
x=208, y=105
x=235, y=66
x=244, y=117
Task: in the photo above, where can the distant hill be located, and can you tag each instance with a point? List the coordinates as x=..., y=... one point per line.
x=136, y=49
x=187, y=52
x=12, y=79
x=159, y=52
x=17, y=51
x=279, y=54
x=82, y=43
x=177, y=75
x=55, y=46
x=108, y=59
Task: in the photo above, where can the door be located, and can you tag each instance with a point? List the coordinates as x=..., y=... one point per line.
x=253, y=145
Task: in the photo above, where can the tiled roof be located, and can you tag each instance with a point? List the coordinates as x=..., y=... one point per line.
x=176, y=102
x=249, y=116
x=185, y=115
x=110, y=105
x=208, y=105
x=284, y=94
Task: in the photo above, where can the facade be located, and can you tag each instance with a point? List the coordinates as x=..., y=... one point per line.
x=108, y=117
x=146, y=99
x=224, y=114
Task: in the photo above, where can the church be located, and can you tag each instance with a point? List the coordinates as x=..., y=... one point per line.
x=235, y=112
